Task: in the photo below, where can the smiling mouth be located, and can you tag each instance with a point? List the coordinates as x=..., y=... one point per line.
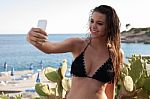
x=94, y=32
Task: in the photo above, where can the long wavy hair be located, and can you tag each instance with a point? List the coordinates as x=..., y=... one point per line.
x=113, y=35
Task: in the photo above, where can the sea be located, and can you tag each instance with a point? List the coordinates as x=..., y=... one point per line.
x=18, y=54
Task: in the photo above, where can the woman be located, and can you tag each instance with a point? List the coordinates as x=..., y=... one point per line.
x=97, y=59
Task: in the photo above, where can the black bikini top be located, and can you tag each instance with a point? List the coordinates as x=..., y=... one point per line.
x=104, y=74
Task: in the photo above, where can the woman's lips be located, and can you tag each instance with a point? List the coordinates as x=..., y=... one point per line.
x=94, y=32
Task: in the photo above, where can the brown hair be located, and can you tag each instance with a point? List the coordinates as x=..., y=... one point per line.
x=113, y=38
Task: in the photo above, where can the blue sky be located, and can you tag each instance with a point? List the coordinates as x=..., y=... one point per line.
x=66, y=16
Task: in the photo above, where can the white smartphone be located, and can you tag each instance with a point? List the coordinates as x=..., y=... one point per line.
x=42, y=24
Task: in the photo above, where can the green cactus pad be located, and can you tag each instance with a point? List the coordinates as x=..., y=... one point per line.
x=128, y=83
x=60, y=89
x=60, y=74
x=140, y=82
x=66, y=83
x=136, y=69
x=42, y=89
x=125, y=69
x=4, y=97
x=64, y=68
x=124, y=72
x=147, y=84
x=52, y=74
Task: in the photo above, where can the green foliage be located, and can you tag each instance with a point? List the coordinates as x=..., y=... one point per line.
x=66, y=83
x=128, y=83
x=52, y=74
x=146, y=85
x=5, y=96
x=19, y=96
x=135, y=70
x=57, y=76
x=42, y=89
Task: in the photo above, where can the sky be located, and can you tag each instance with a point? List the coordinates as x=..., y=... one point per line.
x=67, y=16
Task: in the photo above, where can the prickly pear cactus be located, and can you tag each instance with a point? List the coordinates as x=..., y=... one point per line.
x=64, y=68
x=128, y=83
x=136, y=68
x=52, y=74
x=146, y=86
x=56, y=76
x=19, y=96
x=135, y=78
x=42, y=89
x=3, y=96
x=66, y=83
x=124, y=71
x=6, y=96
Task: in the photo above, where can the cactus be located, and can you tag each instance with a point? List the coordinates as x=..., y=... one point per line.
x=6, y=96
x=135, y=70
x=19, y=96
x=128, y=83
x=42, y=89
x=124, y=71
x=56, y=76
x=146, y=86
x=52, y=74
x=64, y=68
x=66, y=83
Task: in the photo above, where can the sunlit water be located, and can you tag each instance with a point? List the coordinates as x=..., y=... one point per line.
x=18, y=53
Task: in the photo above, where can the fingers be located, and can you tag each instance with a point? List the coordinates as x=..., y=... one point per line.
x=36, y=39
x=37, y=36
x=39, y=31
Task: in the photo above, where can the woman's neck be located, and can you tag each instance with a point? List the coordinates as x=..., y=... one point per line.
x=98, y=43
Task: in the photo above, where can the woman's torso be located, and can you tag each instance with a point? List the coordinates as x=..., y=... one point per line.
x=89, y=82
x=86, y=88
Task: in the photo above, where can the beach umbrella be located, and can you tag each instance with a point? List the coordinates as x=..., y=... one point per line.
x=5, y=66
x=12, y=71
x=41, y=64
x=38, y=78
x=31, y=66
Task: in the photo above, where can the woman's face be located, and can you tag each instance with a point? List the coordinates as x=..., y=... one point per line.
x=98, y=25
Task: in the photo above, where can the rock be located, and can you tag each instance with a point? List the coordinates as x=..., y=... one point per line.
x=136, y=35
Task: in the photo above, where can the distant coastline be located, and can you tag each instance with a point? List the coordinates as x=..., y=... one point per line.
x=133, y=35
x=136, y=35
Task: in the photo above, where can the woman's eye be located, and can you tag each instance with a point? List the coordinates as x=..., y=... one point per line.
x=100, y=23
x=92, y=21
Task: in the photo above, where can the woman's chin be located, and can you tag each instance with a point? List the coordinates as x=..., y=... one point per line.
x=94, y=36
x=97, y=36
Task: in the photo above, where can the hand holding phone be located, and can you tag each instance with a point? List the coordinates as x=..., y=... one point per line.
x=42, y=24
x=44, y=37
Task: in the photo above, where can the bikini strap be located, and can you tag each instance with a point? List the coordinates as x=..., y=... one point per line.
x=87, y=45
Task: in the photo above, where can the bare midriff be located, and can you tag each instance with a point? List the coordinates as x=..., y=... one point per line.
x=86, y=88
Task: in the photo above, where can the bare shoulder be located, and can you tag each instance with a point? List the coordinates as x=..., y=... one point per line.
x=75, y=40
x=78, y=44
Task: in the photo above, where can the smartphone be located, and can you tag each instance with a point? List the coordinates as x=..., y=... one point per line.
x=42, y=24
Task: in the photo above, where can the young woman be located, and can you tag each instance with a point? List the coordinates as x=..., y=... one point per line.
x=97, y=59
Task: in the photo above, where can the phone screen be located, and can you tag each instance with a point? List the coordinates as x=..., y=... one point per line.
x=42, y=24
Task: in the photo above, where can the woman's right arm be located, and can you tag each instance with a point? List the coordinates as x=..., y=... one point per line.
x=39, y=39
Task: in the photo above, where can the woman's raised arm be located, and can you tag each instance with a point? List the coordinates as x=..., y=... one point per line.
x=39, y=39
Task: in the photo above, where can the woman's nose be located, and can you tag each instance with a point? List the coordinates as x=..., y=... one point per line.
x=94, y=25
